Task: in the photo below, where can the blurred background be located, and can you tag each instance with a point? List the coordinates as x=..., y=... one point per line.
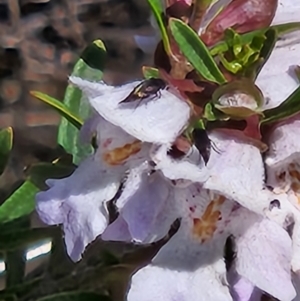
x=40, y=40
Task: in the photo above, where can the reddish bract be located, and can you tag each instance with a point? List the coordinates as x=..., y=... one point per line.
x=241, y=15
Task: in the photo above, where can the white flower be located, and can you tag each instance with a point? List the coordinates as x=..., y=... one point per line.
x=134, y=173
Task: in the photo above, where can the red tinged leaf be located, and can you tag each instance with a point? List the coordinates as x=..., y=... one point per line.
x=182, y=85
x=241, y=15
x=253, y=129
x=180, y=147
x=161, y=59
x=179, y=10
x=181, y=2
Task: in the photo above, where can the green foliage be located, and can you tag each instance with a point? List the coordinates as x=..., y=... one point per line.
x=150, y=72
x=158, y=12
x=75, y=296
x=14, y=239
x=90, y=66
x=40, y=172
x=247, y=38
x=195, y=51
x=287, y=109
x=247, y=59
x=6, y=140
x=73, y=281
x=15, y=259
x=20, y=203
x=62, y=109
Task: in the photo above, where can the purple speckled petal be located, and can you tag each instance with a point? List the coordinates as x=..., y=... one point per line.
x=182, y=270
x=190, y=266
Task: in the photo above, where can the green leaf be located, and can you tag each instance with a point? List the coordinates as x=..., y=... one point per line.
x=158, y=12
x=6, y=141
x=8, y=297
x=195, y=51
x=297, y=72
x=40, y=172
x=287, y=109
x=75, y=296
x=20, y=203
x=95, y=55
x=90, y=66
x=58, y=106
x=233, y=66
x=264, y=54
x=246, y=38
x=20, y=289
x=15, y=260
x=12, y=240
x=150, y=72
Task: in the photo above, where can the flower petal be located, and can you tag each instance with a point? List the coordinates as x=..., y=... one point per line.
x=243, y=290
x=284, y=147
x=77, y=202
x=117, y=231
x=157, y=121
x=116, y=147
x=243, y=184
x=288, y=217
x=182, y=270
x=191, y=167
x=264, y=254
x=145, y=206
x=275, y=79
x=190, y=265
x=287, y=11
x=142, y=209
x=283, y=174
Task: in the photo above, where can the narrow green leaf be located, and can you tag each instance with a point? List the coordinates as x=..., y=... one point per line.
x=289, y=108
x=20, y=203
x=246, y=38
x=6, y=141
x=158, y=12
x=195, y=51
x=40, y=172
x=90, y=66
x=150, y=72
x=59, y=106
x=75, y=296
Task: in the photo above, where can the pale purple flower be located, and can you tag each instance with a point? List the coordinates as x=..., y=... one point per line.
x=151, y=189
